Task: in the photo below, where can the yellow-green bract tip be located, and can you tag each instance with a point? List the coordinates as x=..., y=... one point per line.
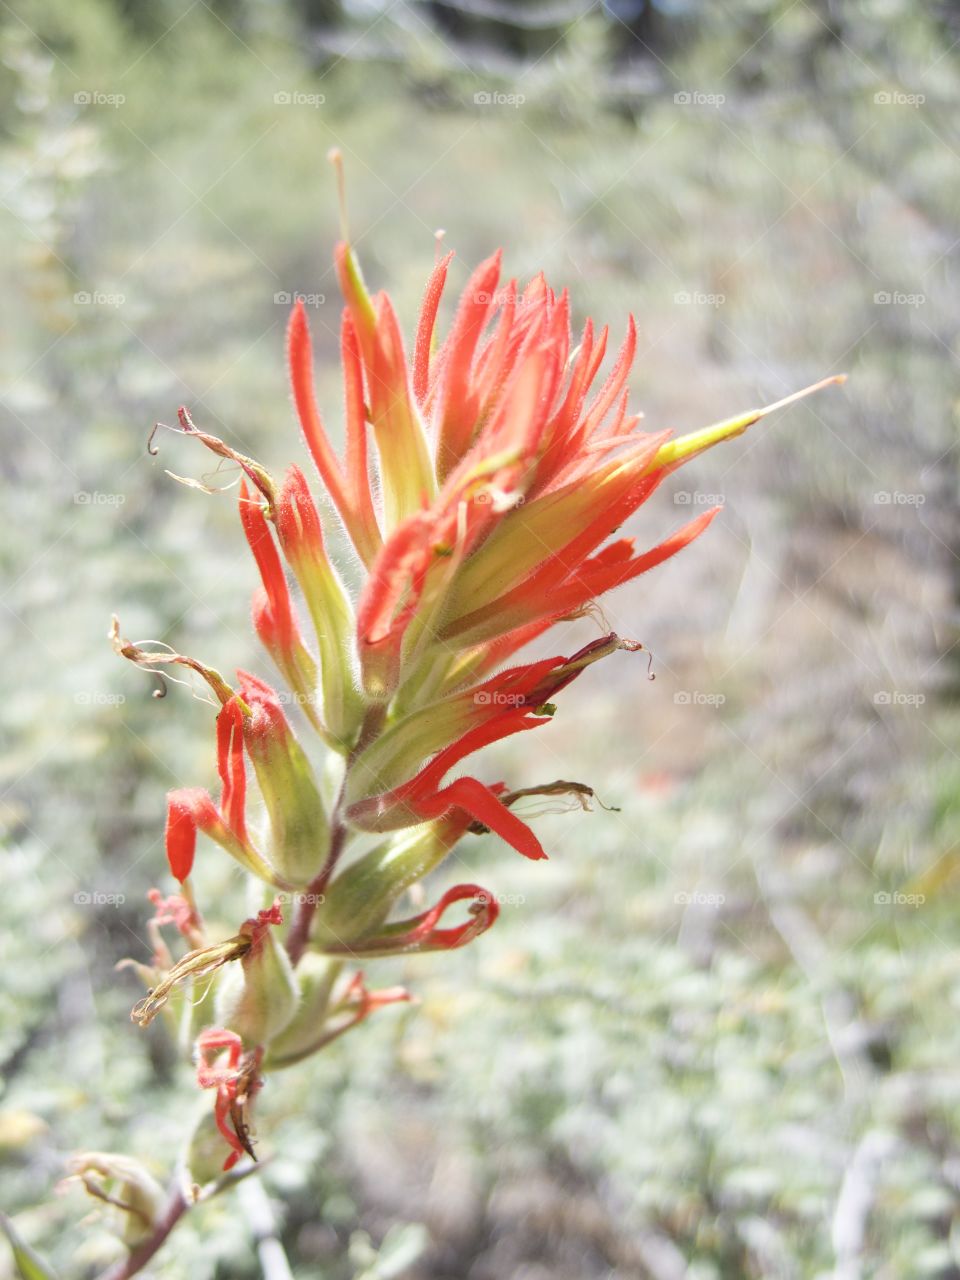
x=684, y=447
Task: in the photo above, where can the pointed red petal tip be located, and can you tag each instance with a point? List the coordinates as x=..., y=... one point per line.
x=426, y=326
x=300, y=359
x=297, y=517
x=255, y=688
x=265, y=702
x=355, y=294
x=480, y=802
x=274, y=580
x=363, y=526
x=457, y=422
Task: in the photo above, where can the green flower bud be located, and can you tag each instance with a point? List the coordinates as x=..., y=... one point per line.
x=257, y=997
x=300, y=831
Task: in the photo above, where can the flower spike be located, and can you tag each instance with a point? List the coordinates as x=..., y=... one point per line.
x=487, y=483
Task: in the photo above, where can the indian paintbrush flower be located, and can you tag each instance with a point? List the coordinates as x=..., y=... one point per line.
x=486, y=511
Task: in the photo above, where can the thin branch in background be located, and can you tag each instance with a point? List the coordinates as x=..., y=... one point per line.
x=264, y=1229
x=855, y=1202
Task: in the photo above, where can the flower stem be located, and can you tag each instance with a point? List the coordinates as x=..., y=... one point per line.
x=138, y=1258
x=300, y=929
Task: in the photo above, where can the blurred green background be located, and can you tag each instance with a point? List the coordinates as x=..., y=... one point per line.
x=717, y=1034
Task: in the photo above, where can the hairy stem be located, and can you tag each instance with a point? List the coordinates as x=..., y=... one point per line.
x=138, y=1258
x=300, y=929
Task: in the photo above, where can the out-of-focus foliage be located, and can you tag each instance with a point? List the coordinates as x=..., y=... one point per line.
x=715, y=1035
